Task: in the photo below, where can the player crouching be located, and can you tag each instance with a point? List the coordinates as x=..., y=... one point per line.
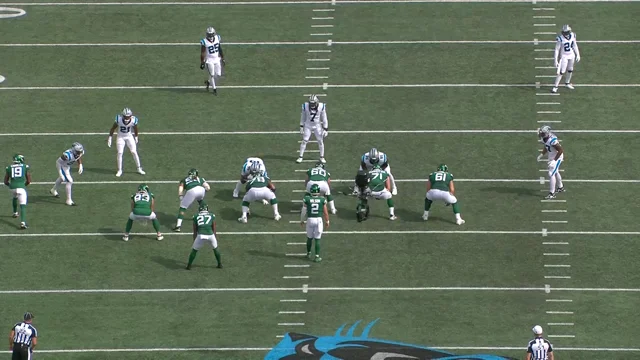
x=259, y=188
x=204, y=232
x=379, y=187
x=142, y=208
x=321, y=177
x=440, y=187
x=314, y=209
x=192, y=188
x=251, y=166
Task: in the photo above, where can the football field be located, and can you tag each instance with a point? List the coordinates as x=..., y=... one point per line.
x=464, y=83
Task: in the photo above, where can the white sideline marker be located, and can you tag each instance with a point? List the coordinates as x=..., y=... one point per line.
x=291, y=312
x=558, y=266
x=547, y=288
x=560, y=312
x=293, y=300
x=557, y=277
x=305, y=288
x=544, y=232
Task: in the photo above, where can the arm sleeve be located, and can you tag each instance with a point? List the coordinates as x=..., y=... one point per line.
x=302, y=116
x=325, y=121
x=303, y=212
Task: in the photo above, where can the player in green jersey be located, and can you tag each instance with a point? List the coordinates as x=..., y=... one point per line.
x=17, y=177
x=318, y=175
x=204, y=232
x=380, y=187
x=142, y=205
x=192, y=188
x=314, y=209
x=440, y=187
x=259, y=188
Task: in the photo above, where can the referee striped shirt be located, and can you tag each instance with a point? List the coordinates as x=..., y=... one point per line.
x=539, y=348
x=24, y=333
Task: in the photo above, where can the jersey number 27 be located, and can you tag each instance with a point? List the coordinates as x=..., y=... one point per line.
x=203, y=220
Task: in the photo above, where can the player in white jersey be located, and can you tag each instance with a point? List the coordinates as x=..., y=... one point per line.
x=68, y=158
x=211, y=57
x=313, y=119
x=375, y=157
x=555, y=157
x=127, y=126
x=250, y=168
x=567, y=50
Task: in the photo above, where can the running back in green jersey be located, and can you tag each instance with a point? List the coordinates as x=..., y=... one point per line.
x=440, y=180
x=190, y=182
x=17, y=175
x=142, y=203
x=315, y=205
x=377, y=180
x=259, y=181
x=318, y=174
x=203, y=221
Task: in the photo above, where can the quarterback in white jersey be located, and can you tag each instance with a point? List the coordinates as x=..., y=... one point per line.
x=555, y=156
x=251, y=167
x=565, y=55
x=211, y=57
x=127, y=126
x=313, y=119
x=64, y=162
x=375, y=157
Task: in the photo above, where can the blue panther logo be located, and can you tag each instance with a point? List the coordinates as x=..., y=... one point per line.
x=295, y=346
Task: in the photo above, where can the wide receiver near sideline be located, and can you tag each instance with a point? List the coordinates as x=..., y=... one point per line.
x=211, y=57
x=143, y=204
x=555, y=156
x=567, y=49
x=192, y=188
x=313, y=119
x=64, y=162
x=318, y=175
x=127, y=126
x=17, y=177
x=440, y=187
x=314, y=209
x=204, y=232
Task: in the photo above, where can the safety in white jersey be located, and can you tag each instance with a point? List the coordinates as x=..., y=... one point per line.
x=567, y=47
x=125, y=127
x=212, y=48
x=312, y=118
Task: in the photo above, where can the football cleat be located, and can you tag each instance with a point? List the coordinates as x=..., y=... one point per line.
x=54, y=192
x=15, y=215
x=188, y=267
x=317, y=258
x=71, y=203
x=125, y=237
x=160, y=237
x=242, y=220
x=550, y=196
x=394, y=192
x=569, y=86
x=140, y=171
x=425, y=217
x=334, y=211
x=322, y=160
x=206, y=82
x=119, y=173
x=23, y=225
x=236, y=195
x=176, y=228
x=299, y=160
x=215, y=92
x=219, y=266
x=560, y=189
x=277, y=217
x=554, y=90
x=265, y=202
x=393, y=217
x=460, y=221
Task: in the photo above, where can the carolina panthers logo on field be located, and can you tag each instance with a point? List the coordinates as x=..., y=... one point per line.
x=296, y=346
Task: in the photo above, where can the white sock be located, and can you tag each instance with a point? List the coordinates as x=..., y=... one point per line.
x=68, y=186
x=558, y=78
x=303, y=146
x=458, y=216
x=136, y=158
x=179, y=223
x=552, y=184
x=58, y=182
x=426, y=213
x=119, y=157
x=559, y=180
x=275, y=209
x=332, y=206
x=212, y=81
x=321, y=147
x=391, y=211
x=567, y=78
x=238, y=187
x=245, y=211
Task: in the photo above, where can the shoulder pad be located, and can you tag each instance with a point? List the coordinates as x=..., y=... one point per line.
x=219, y=38
x=304, y=106
x=135, y=120
x=202, y=42
x=558, y=38
x=117, y=118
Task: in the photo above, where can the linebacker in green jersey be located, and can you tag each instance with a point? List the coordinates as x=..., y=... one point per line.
x=259, y=188
x=17, y=177
x=204, y=232
x=142, y=205
x=318, y=175
x=192, y=188
x=440, y=187
x=314, y=209
x=380, y=187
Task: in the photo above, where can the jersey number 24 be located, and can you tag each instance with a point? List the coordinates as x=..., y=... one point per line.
x=568, y=46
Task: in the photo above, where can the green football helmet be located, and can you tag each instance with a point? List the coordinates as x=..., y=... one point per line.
x=143, y=187
x=319, y=164
x=193, y=173
x=443, y=167
x=203, y=207
x=315, y=189
x=18, y=159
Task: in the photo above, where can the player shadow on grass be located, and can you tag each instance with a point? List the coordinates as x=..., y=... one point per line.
x=167, y=221
x=171, y=264
x=14, y=223
x=34, y=199
x=111, y=233
x=100, y=171
x=268, y=254
x=512, y=190
x=223, y=195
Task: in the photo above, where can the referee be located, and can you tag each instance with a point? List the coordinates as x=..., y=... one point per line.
x=539, y=348
x=23, y=338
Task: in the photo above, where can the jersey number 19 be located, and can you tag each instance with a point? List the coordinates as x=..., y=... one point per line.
x=16, y=171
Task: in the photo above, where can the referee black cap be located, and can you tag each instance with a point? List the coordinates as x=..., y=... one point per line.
x=28, y=316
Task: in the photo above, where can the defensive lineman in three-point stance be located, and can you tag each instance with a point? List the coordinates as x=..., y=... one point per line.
x=127, y=126
x=567, y=49
x=254, y=164
x=204, y=232
x=313, y=119
x=555, y=157
x=211, y=57
x=440, y=187
x=314, y=209
x=143, y=204
x=192, y=188
x=64, y=162
x=17, y=177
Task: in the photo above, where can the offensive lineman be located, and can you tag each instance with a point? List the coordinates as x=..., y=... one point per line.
x=211, y=57
x=375, y=157
x=246, y=175
x=192, y=188
x=555, y=155
x=17, y=177
x=313, y=119
x=567, y=48
x=126, y=123
x=204, y=232
x=143, y=203
x=314, y=209
x=440, y=187
x=318, y=175
x=380, y=185
x=64, y=163
x=259, y=188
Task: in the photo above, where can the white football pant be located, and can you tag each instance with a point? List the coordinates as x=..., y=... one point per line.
x=131, y=144
x=306, y=135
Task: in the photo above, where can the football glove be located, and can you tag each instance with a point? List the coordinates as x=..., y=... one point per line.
x=540, y=157
x=109, y=141
x=201, y=66
x=224, y=62
x=80, y=169
x=136, y=138
x=578, y=58
x=325, y=133
x=181, y=197
x=301, y=130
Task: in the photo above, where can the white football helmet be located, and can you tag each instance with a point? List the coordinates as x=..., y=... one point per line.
x=126, y=112
x=211, y=33
x=544, y=131
x=566, y=30
x=313, y=101
x=77, y=148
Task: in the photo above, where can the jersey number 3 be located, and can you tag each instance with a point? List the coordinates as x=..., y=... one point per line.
x=213, y=48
